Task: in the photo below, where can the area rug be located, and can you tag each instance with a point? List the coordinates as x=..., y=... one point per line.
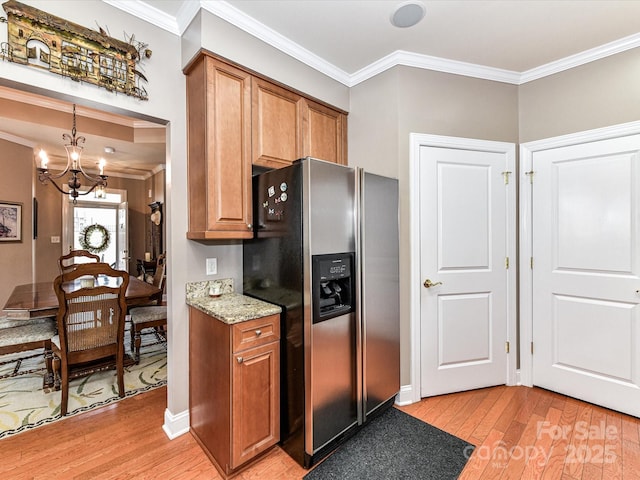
x=399, y=446
x=24, y=404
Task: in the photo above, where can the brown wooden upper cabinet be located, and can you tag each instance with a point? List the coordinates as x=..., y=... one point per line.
x=236, y=119
x=276, y=125
x=219, y=150
x=324, y=133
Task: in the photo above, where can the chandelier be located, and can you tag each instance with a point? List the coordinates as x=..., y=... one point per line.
x=74, y=168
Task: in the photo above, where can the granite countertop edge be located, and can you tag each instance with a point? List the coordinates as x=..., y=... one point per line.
x=231, y=308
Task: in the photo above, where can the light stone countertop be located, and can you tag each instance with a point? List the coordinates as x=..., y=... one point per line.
x=233, y=308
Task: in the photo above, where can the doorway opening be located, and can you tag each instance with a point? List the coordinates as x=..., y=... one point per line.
x=100, y=224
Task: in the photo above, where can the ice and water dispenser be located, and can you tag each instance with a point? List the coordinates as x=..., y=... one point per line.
x=333, y=286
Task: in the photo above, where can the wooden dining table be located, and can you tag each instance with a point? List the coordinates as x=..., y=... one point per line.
x=34, y=300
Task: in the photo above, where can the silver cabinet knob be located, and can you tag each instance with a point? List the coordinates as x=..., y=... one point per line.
x=249, y=226
x=240, y=359
x=258, y=333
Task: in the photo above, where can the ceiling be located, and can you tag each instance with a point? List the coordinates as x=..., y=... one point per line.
x=349, y=40
x=39, y=122
x=514, y=35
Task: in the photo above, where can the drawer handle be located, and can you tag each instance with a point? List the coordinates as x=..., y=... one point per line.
x=240, y=359
x=258, y=332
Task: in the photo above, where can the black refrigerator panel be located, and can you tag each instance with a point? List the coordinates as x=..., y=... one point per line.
x=273, y=272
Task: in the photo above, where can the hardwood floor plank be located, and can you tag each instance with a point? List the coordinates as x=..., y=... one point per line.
x=536, y=465
x=560, y=436
x=512, y=408
x=630, y=460
x=471, y=423
x=125, y=441
x=481, y=457
x=524, y=449
x=458, y=418
x=630, y=429
x=494, y=414
x=578, y=442
x=612, y=468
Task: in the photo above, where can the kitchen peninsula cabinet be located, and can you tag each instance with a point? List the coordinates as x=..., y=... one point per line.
x=234, y=387
x=237, y=119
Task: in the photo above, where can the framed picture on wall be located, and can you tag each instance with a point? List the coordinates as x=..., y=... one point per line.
x=10, y=222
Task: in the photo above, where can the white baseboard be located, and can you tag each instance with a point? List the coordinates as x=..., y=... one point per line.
x=175, y=425
x=405, y=396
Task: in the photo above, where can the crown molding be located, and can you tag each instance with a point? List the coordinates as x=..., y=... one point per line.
x=572, y=61
x=410, y=59
x=222, y=9
x=17, y=140
x=146, y=11
x=248, y=24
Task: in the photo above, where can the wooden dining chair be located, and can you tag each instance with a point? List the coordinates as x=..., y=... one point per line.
x=18, y=335
x=153, y=315
x=69, y=261
x=90, y=325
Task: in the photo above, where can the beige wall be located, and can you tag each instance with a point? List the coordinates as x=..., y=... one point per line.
x=50, y=225
x=598, y=94
x=387, y=108
x=16, y=172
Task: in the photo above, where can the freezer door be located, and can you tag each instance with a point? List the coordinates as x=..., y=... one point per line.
x=333, y=390
x=380, y=303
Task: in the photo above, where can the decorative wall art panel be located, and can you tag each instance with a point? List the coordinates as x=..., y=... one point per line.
x=41, y=40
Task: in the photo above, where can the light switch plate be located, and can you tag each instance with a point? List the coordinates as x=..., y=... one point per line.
x=212, y=266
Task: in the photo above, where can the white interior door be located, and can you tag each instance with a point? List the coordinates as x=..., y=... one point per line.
x=467, y=242
x=585, y=221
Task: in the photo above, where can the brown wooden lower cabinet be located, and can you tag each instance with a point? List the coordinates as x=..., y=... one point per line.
x=234, y=388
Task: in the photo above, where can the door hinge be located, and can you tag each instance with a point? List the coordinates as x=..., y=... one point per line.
x=530, y=175
x=506, y=263
x=531, y=263
x=506, y=347
x=506, y=177
x=531, y=348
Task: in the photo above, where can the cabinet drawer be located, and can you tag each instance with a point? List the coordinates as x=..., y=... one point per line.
x=256, y=332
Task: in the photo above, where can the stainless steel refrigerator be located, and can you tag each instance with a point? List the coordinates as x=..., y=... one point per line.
x=326, y=250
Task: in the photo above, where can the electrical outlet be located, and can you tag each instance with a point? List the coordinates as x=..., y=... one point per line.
x=55, y=239
x=212, y=266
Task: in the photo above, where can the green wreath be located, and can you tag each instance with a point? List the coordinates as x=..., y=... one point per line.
x=94, y=238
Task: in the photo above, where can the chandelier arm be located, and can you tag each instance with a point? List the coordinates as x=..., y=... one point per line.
x=45, y=175
x=93, y=187
x=98, y=180
x=56, y=185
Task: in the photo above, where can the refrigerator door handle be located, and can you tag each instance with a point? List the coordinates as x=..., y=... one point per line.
x=360, y=313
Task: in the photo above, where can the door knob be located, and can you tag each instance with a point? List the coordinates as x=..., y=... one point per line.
x=428, y=283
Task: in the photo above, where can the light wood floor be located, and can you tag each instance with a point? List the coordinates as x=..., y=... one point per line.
x=519, y=432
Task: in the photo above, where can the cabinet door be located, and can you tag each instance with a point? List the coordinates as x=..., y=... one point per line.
x=324, y=133
x=276, y=129
x=219, y=165
x=256, y=402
